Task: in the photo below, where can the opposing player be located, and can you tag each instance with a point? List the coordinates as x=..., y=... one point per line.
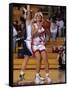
x=27, y=52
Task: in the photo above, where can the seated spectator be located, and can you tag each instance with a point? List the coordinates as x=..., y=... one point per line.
x=61, y=59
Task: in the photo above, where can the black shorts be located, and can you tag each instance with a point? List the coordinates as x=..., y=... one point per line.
x=25, y=50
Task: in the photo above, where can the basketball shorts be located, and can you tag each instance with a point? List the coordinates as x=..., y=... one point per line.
x=40, y=48
x=26, y=50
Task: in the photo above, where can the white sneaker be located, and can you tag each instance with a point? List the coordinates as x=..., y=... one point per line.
x=39, y=80
x=48, y=80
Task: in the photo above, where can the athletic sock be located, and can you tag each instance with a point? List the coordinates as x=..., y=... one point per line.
x=37, y=74
x=21, y=73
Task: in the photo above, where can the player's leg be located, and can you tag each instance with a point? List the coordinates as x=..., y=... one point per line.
x=38, y=78
x=36, y=51
x=38, y=61
x=45, y=59
x=26, y=54
x=24, y=64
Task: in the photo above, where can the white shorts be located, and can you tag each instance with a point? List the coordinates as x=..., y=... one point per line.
x=38, y=48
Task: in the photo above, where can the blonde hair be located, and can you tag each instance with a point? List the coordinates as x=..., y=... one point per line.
x=36, y=14
x=39, y=13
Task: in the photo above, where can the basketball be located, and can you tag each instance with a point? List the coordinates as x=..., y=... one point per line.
x=46, y=24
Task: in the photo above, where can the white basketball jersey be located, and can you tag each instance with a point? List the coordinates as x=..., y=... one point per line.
x=39, y=39
x=28, y=31
x=28, y=36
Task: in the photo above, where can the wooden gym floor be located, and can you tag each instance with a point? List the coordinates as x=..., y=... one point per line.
x=57, y=76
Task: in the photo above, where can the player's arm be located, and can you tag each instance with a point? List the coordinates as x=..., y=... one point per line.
x=34, y=31
x=27, y=12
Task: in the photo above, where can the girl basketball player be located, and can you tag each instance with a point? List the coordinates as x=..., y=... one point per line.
x=38, y=46
x=27, y=40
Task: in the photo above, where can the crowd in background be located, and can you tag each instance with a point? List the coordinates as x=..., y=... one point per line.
x=54, y=25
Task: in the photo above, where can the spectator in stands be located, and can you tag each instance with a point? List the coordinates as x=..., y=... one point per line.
x=53, y=28
x=61, y=58
x=60, y=24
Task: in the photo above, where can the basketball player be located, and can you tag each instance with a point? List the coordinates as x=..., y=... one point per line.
x=38, y=46
x=27, y=52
